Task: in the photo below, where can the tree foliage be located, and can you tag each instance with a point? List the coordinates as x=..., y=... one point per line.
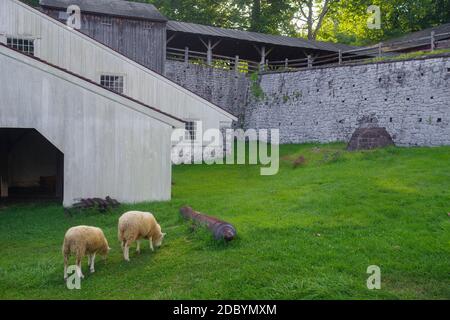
x=334, y=20
x=342, y=21
x=347, y=22
x=311, y=15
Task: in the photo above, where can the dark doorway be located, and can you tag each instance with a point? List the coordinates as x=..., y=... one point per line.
x=31, y=168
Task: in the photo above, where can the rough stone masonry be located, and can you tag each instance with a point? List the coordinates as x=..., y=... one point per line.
x=225, y=88
x=410, y=98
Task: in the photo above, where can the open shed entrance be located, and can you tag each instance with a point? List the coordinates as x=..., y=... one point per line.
x=31, y=168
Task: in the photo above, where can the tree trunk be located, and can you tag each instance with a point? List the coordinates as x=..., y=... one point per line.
x=256, y=16
x=310, y=21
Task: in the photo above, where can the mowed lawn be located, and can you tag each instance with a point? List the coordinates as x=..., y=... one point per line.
x=306, y=233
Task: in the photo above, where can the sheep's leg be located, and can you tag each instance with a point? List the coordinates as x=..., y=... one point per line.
x=138, y=248
x=122, y=245
x=89, y=260
x=126, y=251
x=66, y=263
x=92, y=265
x=79, y=272
x=151, y=244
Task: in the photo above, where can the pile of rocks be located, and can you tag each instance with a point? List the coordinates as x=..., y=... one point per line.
x=370, y=138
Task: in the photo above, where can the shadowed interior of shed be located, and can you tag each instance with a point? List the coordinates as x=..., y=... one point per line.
x=30, y=166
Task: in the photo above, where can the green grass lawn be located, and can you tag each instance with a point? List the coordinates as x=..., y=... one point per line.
x=306, y=233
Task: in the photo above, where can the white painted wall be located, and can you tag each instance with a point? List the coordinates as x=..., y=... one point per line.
x=112, y=145
x=80, y=54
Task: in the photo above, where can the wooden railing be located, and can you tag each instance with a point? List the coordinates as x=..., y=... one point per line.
x=218, y=61
x=360, y=55
x=364, y=55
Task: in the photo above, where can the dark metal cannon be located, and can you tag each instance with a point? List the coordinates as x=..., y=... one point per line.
x=220, y=229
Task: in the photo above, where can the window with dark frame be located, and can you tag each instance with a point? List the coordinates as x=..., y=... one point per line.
x=148, y=25
x=24, y=45
x=106, y=20
x=112, y=82
x=191, y=130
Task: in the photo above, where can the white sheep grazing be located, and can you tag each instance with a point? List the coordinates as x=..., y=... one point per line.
x=82, y=241
x=136, y=225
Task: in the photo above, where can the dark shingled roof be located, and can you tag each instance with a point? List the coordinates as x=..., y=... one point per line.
x=426, y=33
x=177, y=26
x=110, y=7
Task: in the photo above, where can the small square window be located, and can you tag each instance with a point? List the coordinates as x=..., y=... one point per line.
x=112, y=82
x=148, y=25
x=24, y=45
x=106, y=21
x=191, y=130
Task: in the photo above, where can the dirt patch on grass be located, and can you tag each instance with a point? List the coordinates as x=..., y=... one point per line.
x=299, y=162
x=295, y=161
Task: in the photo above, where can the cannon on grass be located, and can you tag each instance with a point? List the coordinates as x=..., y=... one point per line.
x=220, y=229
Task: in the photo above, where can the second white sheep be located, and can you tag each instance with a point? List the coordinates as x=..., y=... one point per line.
x=135, y=226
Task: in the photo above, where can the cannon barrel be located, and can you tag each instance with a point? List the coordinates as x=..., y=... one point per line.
x=220, y=229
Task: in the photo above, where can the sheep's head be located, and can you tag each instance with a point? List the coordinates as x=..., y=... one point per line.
x=158, y=241
x=105, y=249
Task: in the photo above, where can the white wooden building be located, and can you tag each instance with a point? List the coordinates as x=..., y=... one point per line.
x=55, y=43
x=109, y=144
x=78, y=119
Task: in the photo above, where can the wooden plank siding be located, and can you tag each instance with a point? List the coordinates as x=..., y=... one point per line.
x=130, y=37
x=76, y=52
x=111, y=144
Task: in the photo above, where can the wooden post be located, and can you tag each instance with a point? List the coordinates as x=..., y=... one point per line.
x=3, y=170
x=433, y=43
x=209, y=47
x=310, y=61
x=186, y=55
x=340, y=57
x=380, y=49
x=209, y=53
x=236, y=64
x=286, y=64
x=263, y=57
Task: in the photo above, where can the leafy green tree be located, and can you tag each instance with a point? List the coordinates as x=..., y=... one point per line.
x=347, y=22
x=268, y=16
x=209, y=12
x=342, y=21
